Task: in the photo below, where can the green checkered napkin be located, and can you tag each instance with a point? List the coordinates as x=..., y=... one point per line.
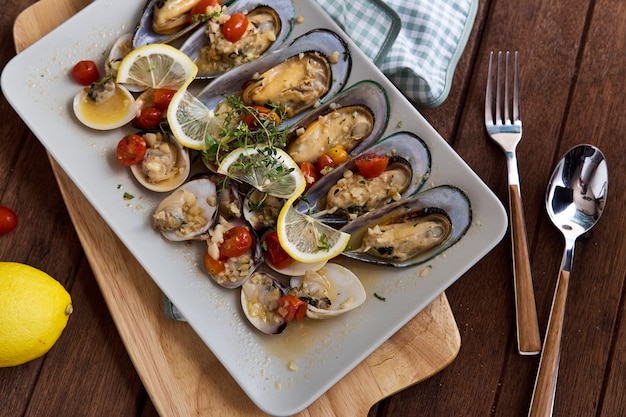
x=432, y=37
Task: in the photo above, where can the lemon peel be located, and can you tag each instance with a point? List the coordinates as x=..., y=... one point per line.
x=305, y=238
x=34, y=310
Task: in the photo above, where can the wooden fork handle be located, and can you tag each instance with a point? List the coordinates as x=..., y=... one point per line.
x=528, y=340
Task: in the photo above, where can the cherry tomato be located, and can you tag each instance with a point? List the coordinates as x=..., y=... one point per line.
x=200, y=9
x=324, y=164
x=130, y=150
x=258, y=115
x=236, y=242
x=234, y=28
x=291, y=308
x=8, y=220
x=213, y=266
x=149, y=118
x=371, y=166
x=85, y=72
x=310, y=175
x=338, y=154
x=275, y=253
x=162, y=97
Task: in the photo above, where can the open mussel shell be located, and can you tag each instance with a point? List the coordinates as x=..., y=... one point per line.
x=165, y=166
x=259, y=301
x=342, y=195
x=321, y=48
x=330, y=291
x=427, y=224
x=145, y=34
x=354, y=119
x=188, y=212
x=274, y=17
x=230, y=215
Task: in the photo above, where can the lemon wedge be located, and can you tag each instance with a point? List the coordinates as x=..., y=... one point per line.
x=191, y=121
x=157, y=66
x=306, y=239
x=268, y=169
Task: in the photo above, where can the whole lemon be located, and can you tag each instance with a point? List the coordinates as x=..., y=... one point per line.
x=34, y=309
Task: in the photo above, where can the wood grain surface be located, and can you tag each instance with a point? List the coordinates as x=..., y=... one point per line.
x=573, y=68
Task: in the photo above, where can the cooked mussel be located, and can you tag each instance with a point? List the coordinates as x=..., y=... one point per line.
x=344, y=193
x=354, y=119
x=411, y=231
x=164, y=21
x=302, y=75
x=188, y=212
x=269, y=24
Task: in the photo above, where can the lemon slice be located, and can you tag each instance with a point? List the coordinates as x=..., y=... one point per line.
x=268, y=169
x=191, y=121
x=157, y=66
x=306, y=239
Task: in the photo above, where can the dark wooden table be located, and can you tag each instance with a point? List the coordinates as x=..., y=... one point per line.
x=573, y=59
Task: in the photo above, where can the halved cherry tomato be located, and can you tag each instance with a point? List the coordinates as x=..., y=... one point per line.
x=236, y=242
x=324, y=164
x=234, y=28
x=8, y=220
x=371, y=166
x=200, y=9
x=310, y=175
x=149, y=118
x=275, y=253
x=338, y=154
x=85, y=72
x=162, y=97
x=130, y=150
x=291, y=308
x=213, y=266
x=259, y=114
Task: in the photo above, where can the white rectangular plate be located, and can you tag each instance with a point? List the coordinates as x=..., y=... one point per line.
x=38, y=85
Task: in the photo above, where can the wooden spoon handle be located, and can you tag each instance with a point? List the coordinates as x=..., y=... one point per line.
x=528, y=339
x=542, y=402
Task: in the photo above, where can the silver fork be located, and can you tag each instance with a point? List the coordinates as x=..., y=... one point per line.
x=506, y=130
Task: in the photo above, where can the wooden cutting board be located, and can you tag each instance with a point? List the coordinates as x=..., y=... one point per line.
x=181, y=375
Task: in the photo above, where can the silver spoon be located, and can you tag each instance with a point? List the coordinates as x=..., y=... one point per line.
x=574, y=200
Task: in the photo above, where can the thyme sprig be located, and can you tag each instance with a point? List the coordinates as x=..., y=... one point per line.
x=244, y=126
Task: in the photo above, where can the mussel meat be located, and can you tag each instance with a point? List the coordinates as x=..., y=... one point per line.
x=345, y=193
x=346, y=126
x=269, y=24
x=411, y=231
x=297, y=83
x=297, y=77
x=353, y=119
x=170, y=16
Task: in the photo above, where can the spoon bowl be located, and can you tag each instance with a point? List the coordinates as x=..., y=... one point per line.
x=575, y=201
